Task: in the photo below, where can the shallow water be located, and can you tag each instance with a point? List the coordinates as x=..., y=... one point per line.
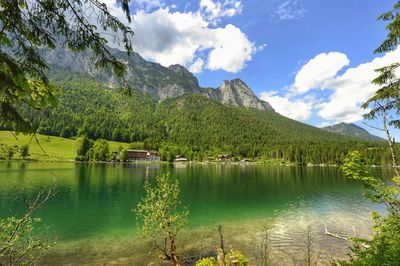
x=92, y=221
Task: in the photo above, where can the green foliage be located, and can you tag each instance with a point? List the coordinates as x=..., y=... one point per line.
x=24, y=151
x=83, y=147
x=136, y=145
x=386, y=99
x=236, y=258
x=7, y=151
x=123, y=156
x=18, y=246
x=231, y=258
x=207, y=262
x=192, y=125
x=99, y=151
x=159, y=209
x=384, y=248
x=27, y=27
x=160, y=215
x=56, y=148
x=16, y=87
x=393, y=37
x=89, y=150
x=377, y=191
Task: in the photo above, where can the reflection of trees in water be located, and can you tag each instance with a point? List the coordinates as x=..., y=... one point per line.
x=214, y=193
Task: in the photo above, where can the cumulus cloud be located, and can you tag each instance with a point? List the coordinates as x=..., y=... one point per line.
x=230, y=50
x=176, y=38
x=197, y=66
x=344, y=93
x=298, y=109
x=319, y=69
x=325, y=124
x=291, y=9
x=191, y=39
x=352, y=89
x=214, y=10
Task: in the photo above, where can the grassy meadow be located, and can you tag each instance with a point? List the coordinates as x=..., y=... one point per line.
x=56, y=148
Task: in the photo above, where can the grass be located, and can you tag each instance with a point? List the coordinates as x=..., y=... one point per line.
x=57, y=148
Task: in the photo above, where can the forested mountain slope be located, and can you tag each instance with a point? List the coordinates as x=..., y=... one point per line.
x=191, y=124
x=351, y=130
x=153, y=79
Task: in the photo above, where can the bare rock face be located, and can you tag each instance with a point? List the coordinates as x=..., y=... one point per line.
x=237, y=93
x=154, y=79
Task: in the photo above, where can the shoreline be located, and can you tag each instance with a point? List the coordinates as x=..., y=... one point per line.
x=185, y=163
x=286, y=236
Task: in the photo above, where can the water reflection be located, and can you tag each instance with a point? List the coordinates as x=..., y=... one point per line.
x=95, y=200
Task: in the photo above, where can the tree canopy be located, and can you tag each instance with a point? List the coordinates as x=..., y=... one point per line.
x=384, y=247
x=26, y=27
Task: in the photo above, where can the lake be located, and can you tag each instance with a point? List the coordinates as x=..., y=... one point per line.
x=90, y=217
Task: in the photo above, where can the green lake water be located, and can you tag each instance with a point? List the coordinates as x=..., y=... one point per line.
x=94, y=201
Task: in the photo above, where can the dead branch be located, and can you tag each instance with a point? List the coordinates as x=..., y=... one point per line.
x=332, y=234
x=221, y=237
x=337, y=235
x=32, y=206
x=374, y=127
x=220, y=256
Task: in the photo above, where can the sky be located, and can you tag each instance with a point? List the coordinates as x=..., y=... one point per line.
x=312, y=60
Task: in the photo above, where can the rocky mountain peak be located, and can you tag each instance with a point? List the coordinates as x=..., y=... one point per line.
x=235, y=92
x=154, y=79
x=237, y=86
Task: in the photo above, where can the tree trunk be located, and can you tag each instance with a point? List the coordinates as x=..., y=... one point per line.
x=220, y=256
x=174, y=254
x=391, y=145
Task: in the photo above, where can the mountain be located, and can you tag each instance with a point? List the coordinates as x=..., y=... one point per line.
x=351, y=130
x=170, y=112
x=152, y=78
x=237, y=93
x=193, y=125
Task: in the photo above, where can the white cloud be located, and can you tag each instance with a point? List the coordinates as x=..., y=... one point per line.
x=261, y=47
x=176, y=38
x=191, y=39
x=347, y=92
x=325, y=124
x=319, y=69
x=213, y=10
x=231, y=49
x=291, y=9
x=293, y=108
x=352, y=89
x=197, y=66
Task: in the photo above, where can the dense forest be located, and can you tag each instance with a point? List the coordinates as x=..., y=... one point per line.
x=191, y=125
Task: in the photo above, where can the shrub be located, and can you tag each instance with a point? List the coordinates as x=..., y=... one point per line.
x=236, y=257
x=206, y=262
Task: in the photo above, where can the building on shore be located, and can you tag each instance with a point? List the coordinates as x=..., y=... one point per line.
x=223, y=158
x=143, y=155
x=180, y=158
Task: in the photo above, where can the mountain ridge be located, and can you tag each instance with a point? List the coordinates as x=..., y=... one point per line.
x=192, y=125
x=350, y=129
x=154, y=79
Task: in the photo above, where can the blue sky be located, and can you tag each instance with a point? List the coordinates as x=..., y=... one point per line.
x=311, y=59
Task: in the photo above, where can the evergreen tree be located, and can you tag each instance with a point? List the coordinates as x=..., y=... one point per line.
x=28, y=26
